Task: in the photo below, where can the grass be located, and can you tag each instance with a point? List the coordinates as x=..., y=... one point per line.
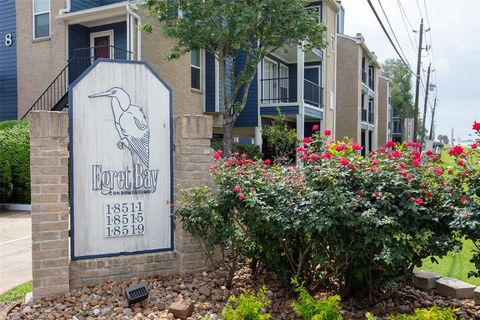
x=454, y=265
x=16, y=294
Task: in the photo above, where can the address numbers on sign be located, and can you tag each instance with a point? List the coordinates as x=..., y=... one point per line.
x=124, y=219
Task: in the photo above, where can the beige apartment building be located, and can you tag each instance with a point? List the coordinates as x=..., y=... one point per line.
x=385, y=111
x=357, y=92
x=58, y=39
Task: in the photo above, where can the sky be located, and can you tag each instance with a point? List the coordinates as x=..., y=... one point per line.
x=454, y=37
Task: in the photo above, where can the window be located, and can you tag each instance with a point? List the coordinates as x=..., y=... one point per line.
x=195, y=69
x=41, y=19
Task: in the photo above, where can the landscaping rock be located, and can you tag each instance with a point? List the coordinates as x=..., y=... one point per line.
x=425, y=280
x=181, y=309
x=476, y=296
x=455, y=288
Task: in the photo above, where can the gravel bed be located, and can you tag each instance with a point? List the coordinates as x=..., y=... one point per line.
x=208, y=294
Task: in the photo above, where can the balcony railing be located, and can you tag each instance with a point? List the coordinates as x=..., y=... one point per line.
x=371, y=83
x=84, y=57
x=55, y=96
x=364, y=115
x=364, y=76
x=276, y=90
x=371, y=120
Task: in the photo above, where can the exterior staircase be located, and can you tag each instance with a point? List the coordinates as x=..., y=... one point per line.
x=55, y=97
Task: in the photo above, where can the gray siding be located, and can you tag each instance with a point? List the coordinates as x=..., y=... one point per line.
x=8, y=62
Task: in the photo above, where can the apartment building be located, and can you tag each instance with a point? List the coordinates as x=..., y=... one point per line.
x=58, y=39
x=357, y=92
x=385, y=111
x=300, y=84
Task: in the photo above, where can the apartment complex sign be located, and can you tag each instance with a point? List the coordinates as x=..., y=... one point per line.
x=121, y=160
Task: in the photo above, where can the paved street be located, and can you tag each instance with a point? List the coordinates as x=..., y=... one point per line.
x=15, y=249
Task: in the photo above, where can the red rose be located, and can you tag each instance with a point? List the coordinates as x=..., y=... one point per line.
x=356, y=147
x=476, y=126
x=457, y=150
x=241, y=196
x=326, y=155
x=307, y=140
x=315, y=127
x=230, y=162
x=419, y=201
x=267, y=162
x=464, y=199
x=327, y=133
x=314, y=157
x=429, y=152
x=343, y=161
x=376, y=194
x=218, y=154
x=428, y=194
x=474, y=145
x=460, y=162
x=235, y=154
x=341, y=147
x=438, y=172
x=390, y=144
x=236, y=189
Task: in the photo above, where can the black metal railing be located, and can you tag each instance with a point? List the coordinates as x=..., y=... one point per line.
x=364, y=115
x=84, y=57
x=276, y=90
x=55, y=96
x=364, y=76
x=371, y=83
x=371, y=119
x=312, y=93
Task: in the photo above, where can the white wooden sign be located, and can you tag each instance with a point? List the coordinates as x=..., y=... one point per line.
x=120, y=161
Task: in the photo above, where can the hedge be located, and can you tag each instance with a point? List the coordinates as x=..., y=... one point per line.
x=14, y=162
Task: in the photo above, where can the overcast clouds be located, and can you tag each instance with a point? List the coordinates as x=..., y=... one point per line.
x=455, y=32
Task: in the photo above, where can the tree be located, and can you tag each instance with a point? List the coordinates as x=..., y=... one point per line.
x=402, y=99
x=227, y=29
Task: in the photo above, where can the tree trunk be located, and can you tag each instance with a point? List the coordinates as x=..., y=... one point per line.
x=228, y=124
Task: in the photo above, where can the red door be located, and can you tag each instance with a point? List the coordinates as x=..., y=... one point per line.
x=102, y=47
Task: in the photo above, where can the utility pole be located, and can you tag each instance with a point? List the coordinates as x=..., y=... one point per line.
x=427, y=87
x=417, y=86
x=433, y=116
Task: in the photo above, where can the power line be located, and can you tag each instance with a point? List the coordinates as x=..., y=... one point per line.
x=393, y=32
x=388, y=36
x=404, y=19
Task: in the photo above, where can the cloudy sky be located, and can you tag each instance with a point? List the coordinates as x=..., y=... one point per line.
x=455, y=41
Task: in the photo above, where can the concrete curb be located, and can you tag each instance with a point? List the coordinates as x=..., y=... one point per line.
x=446, y=286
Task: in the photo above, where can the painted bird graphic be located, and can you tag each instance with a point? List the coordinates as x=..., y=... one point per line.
x=130, y=122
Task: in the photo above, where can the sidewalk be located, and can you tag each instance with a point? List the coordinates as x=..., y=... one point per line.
x=15, y=249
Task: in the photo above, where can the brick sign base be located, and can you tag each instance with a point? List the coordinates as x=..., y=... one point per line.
x=54, y=272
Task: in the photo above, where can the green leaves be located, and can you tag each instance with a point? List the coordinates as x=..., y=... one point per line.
x=247, y=306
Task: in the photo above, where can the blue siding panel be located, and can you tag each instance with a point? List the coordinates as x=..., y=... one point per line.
x=79, y=38
x=8, y=62
x=272, y=111
x=209, y=82
x=249, y=115
x=314, y=113
x=78, y=5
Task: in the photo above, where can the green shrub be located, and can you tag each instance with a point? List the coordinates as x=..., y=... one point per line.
x=251, y=150
x=15, y=156
x=247, y=306
x=310, y=308
x=434, y=313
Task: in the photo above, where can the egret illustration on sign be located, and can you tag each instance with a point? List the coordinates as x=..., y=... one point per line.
x=130, y=122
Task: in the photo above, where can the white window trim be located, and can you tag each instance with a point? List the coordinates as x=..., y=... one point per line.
x=200, y=61
x=98, y=34
x=277, y=64
x=49, y=21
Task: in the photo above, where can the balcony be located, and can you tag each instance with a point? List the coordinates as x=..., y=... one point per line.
x=364, y=76
x=276, y=91
x=371, y=117
x=364, y=115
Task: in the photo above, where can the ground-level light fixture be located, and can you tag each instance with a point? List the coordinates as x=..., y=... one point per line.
x=136, y=293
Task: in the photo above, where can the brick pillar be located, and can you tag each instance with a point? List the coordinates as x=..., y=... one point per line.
x=192, y=158
x=50, y=214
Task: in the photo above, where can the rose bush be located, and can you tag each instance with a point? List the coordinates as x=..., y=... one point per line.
x=465, y=176
x=339, y=218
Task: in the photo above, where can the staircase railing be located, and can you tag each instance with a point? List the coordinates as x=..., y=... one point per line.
x=82, y=58
x=53, y=94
